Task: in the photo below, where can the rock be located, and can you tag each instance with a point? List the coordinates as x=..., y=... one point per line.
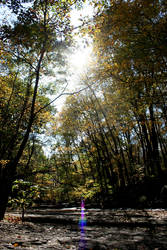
x=109, y=229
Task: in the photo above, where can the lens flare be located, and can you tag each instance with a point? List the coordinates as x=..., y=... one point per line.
x=82, y=224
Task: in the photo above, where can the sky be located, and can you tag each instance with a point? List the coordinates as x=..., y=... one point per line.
x=78, y=63
x=82, y=55
x=80, y=59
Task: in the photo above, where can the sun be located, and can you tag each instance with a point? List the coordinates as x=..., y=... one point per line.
x=80, y=60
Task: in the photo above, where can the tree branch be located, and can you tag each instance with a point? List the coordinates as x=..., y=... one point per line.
x=62, y=94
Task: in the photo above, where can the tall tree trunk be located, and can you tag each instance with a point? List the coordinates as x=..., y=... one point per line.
x=5, y=188
x=154, y=141
x=8, y=172
x=115, y=151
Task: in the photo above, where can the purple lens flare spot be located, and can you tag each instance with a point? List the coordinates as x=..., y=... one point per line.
x=82, y=224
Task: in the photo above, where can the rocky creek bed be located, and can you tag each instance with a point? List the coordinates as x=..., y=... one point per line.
x=105, y=229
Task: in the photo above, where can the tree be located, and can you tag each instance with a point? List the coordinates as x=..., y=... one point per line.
x=23, y=195
x=28, y=48
x=129, y=41
x=118, y=128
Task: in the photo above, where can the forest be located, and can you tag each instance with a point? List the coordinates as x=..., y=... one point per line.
x=108, y=144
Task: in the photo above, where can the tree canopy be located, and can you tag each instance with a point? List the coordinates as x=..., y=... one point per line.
x=111, y=135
